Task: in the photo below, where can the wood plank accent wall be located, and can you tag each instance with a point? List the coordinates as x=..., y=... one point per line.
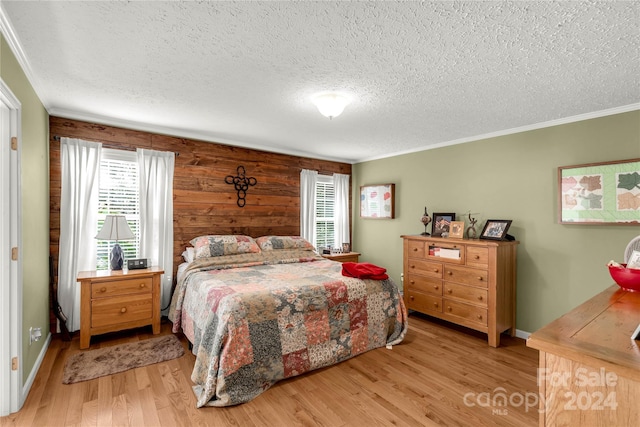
x=202, y=202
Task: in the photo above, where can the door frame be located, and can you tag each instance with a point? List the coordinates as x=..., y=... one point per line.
x=11, y=398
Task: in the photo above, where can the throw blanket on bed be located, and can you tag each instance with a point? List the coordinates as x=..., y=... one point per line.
x=256, y=321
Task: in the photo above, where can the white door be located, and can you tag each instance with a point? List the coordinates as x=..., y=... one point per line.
x=10, y=324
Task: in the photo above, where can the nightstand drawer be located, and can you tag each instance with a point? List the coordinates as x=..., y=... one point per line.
x=121, y=287
x=116, y=310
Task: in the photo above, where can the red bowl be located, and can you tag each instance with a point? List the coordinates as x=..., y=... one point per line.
x=627, y=278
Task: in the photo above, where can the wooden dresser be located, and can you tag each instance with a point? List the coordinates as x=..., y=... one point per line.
x=113, y=300
x=589, y=371
x=467, y=282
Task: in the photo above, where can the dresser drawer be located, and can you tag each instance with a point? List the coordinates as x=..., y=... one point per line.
x=477, y=257
x=416, y=249
x=472, y=294
x=424, y=303
x=113, y=311
x=468, y=276
x=121, y=287
x=429, y=285
x=467, y=311
x=425, y=268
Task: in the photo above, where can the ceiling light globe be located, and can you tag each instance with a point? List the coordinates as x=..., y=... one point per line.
x=330, y=104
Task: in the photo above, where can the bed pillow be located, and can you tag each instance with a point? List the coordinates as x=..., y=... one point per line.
x=189, y=254
x=220, y=245
x=268, y=243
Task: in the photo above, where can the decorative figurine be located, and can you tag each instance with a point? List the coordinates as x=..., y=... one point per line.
x=426, y=219
x=471, y=229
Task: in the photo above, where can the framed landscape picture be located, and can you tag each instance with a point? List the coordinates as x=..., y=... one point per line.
x=377, y=201
x=600, y=193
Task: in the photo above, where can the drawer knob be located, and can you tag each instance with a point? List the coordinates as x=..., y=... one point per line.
x=411, y=297
x=480, y=278
x=435, y=287
x=412, y=266
x=435, y=304
x=449, y=308
x=450, y=273
x=435, y=270
x=142, y=285
x=103, y=289
x=413, y=282
x=480, y=297
x=477, y=257
x=123, y=310
x=450, y=291
x=415, y=249
x=479, y=316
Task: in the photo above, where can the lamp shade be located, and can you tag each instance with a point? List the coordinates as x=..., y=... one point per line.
x=330, y=104
x=115, y=227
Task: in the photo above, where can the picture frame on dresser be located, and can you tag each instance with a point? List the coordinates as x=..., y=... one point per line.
x=495, y=229
x=441, y=224
x=456, y=230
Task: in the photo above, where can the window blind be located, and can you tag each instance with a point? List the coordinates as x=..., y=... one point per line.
x=119, y=194
x=324, y=212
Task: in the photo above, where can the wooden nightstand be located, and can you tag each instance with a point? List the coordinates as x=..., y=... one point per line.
x=113, y=300
x=345, y=257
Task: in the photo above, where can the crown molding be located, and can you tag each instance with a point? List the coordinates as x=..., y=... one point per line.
x=14, y=44
x=550, y=123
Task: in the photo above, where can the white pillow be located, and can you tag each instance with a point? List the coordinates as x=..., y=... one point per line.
x=188, y=254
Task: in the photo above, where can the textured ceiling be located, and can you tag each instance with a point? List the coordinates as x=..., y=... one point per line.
x=421, y=74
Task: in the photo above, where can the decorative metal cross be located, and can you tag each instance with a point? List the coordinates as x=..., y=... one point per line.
x=241, y=184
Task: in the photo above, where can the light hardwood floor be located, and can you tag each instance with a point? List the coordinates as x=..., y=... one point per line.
x=440, y=375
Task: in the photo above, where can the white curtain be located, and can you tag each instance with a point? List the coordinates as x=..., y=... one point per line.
x=156, y=215
x=78, y=221
x=341, y=209
x=308, y=179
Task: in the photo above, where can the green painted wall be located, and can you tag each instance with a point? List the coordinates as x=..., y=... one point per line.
x=509, y=177
x=34, y=183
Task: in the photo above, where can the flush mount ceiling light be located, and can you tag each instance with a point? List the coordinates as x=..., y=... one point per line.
x=330, y=104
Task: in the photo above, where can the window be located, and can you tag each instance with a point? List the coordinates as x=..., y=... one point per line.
x=325, y=222
x=119, y=194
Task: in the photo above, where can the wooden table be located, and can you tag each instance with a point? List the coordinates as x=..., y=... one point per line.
x=589, y=366
x=343, y=257
x=113, y=300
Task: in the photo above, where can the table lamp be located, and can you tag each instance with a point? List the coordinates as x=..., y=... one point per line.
x=115, y=227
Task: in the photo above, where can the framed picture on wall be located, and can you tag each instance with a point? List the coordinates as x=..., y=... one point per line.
x=441, y=224
x=377, y=201
x=600, y=193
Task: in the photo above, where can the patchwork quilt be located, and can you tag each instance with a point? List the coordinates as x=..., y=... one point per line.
x=256, y=318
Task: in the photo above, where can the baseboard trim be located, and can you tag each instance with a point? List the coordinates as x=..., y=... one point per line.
x=26, y=388
x=522, y=334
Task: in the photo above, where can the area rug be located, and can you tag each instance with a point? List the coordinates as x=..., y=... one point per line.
x=91, y=364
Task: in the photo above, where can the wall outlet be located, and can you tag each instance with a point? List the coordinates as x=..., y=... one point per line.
x=34, y=334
